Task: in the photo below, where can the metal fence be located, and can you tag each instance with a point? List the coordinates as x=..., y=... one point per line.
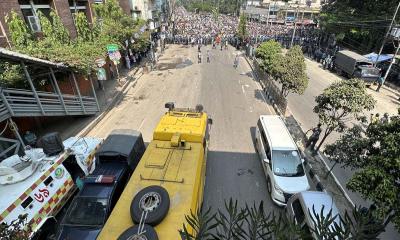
x=271, y=89
x=23, y=103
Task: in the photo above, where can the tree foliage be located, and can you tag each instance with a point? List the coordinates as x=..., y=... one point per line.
x=16, y=230
x=224, y=6
x=375, y=155
x=340, y=102
x=269, y=53
x=358, y=24
x=290, y=71
x=242, y=28
x=90, y=44
x=19, y=31
x=252, y=223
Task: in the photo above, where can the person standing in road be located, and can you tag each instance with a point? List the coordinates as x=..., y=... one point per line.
x=208, y=56
x=381, y=81
x=316, y=132
x=236, y=61
x=199, y=57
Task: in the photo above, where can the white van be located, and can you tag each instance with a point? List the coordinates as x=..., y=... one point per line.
x=280, y=158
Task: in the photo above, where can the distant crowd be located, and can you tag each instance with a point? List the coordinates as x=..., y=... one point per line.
x=209, y=29
x=193, y=28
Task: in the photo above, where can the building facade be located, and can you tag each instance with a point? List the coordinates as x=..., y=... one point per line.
x=66, y=9
x=282, y=11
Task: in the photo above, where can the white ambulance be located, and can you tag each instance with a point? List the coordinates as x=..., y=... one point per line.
x=40, y=185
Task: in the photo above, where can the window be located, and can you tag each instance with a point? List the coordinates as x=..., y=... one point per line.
x=264, y=139
x=87, y=211
x=287, y=163
x=30, y=8
x=77, y=6
x=298, y=211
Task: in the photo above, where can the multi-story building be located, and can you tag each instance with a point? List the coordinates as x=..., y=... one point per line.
x=278, y=10
x=66, y=9
x=153, y=11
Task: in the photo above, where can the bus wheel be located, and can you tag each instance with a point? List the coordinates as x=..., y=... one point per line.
x=154, y=200
x=148, y=233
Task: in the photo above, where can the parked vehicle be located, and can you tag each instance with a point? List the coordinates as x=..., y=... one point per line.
x=41, y=182
x=168, y=182
x=280, y=159
x=301, y=204
x=117, y=158
x=354, y=65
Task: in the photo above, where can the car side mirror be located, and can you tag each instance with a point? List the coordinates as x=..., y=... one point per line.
x=210, y=121
x=266, y=160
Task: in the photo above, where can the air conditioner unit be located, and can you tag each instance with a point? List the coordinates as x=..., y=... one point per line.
x=34, y=23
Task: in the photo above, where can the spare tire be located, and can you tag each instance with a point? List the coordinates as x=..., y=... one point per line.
x=148, y=233
x=155, y=200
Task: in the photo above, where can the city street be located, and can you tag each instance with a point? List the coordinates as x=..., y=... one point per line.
x=232, y=98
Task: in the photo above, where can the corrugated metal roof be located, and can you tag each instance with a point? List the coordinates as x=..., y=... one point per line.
x=16, y=56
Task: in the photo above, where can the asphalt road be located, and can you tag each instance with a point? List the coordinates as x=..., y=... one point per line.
x=232, y=98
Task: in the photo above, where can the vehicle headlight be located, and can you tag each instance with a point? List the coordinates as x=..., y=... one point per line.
x=278, y=189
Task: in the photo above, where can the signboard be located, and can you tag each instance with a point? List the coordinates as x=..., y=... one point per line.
x=115, y=56
x=112, y=47
x=395, y=32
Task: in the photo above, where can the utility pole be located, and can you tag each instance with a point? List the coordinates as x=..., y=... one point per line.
x=392, y=61
x=294, y=30
x=387, y=34
x=269, y=9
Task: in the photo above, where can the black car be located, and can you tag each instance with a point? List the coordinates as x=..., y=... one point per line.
x=116, y=160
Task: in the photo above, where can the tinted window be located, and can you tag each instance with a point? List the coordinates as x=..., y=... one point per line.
x=87, y=211
x=264, y=139
x=298, y=211
x=287, y=163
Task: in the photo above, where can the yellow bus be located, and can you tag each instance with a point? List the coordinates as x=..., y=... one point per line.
x=168, y=182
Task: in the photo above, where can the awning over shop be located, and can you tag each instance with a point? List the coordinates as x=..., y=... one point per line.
x=382, y=58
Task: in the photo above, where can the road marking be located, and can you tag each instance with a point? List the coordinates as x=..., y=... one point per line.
x=141, y=124
x=243, y=90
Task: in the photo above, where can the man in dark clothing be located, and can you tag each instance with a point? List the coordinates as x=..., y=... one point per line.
x=314, y=136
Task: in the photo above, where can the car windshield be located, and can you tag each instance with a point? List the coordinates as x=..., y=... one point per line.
x=287, y=163
x=370, y=72
x=87, y=211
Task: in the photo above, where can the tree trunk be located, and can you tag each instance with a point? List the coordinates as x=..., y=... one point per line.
x=326, y=134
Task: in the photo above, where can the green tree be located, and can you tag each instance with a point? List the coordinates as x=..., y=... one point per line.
x=19, y=32
x=339, y=103
x=115, y=24
x=291, y=72
x=251, y=223
x=16, y=230
x=242, y=29
x=269, y=53
x=84, y=32
x=357, y=24
x=375, y=157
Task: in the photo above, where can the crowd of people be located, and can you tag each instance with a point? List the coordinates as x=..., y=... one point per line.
x=210, y=29
x=204, y=28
